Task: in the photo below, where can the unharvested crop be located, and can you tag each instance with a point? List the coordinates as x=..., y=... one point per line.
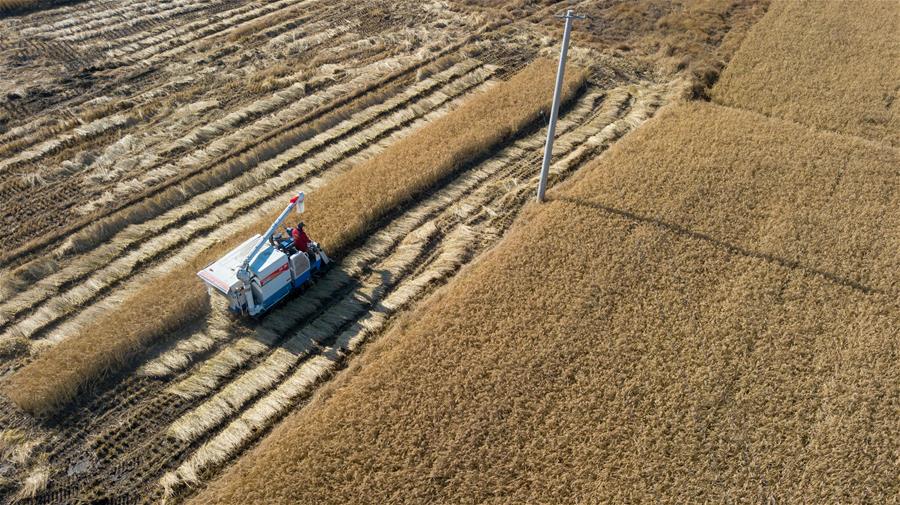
x=707, y=314
x=337, y=214
x=832, y=65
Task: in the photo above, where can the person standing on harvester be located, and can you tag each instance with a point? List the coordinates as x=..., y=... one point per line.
x=301, y=239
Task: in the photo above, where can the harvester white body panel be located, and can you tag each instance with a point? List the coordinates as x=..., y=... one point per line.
x=260, y=272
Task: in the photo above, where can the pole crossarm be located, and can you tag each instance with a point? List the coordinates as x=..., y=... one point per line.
x=567, y=15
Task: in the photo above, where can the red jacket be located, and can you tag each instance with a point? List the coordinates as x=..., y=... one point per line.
x=301, y=240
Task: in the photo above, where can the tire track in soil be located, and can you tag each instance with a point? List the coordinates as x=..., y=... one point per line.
x=144, y=71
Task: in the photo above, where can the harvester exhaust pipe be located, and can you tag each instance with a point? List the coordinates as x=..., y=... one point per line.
x=554, y=110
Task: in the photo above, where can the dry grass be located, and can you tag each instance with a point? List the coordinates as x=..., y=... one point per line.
x=709, y=315
x=831, y=65
x=338, y=214
x=34, y=483
x=259, y=25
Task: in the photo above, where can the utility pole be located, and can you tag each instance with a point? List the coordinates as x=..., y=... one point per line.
x=554, y=111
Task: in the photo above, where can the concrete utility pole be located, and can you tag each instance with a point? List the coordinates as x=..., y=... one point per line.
x=554, y=111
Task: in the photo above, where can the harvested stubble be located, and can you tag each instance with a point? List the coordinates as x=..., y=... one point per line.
x=698, y=321
x=338, y=215
x=832, y=65
x=397, y=125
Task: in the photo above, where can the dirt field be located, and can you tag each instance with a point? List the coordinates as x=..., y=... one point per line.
x=135, y=135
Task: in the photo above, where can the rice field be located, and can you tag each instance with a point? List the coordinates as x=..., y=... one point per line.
x=139, y=140
x=724, y=317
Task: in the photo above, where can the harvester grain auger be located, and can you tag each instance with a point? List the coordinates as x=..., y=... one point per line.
x=259, y=273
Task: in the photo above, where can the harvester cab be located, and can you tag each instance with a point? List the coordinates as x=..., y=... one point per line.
x=259, y=273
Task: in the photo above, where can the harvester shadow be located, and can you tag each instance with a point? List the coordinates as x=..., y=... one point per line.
x=329, y=308
x=721, y=244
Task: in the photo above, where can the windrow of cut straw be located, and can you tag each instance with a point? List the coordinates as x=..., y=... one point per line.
x=338, y=215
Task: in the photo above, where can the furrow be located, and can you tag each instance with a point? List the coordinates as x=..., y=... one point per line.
x=74, y=18
x=140, y=41
x=166, y=45
x=162, y=11
x=79, y=134
x=181, y=356
x=251, y=423
x=43, y=128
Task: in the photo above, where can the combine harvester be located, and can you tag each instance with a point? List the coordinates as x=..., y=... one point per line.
x=259, y=273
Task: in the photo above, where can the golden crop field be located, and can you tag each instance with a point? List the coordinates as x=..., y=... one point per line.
x=831, y=65
x=703, y=311
x=726, y=331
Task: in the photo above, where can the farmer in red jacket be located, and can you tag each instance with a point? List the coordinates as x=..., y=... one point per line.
x=301, y=239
